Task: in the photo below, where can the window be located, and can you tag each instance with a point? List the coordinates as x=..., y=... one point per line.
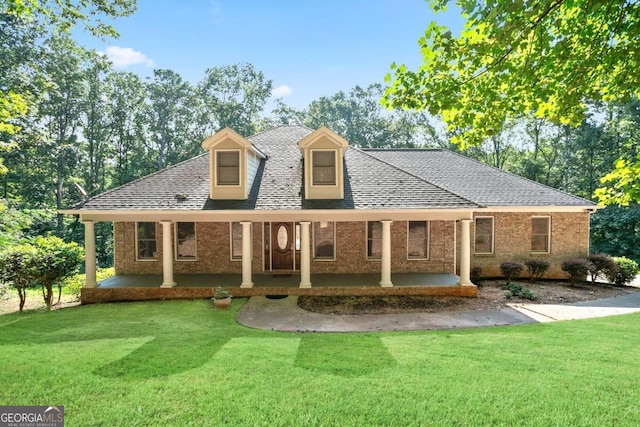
x=540, y=233
x=324, y=167
x=228, y=164
x=236, y=241
x=374, y=240
x=418, y=240
x=185, y=240
x=484, y=235
x=146, y=240
x=324, y=240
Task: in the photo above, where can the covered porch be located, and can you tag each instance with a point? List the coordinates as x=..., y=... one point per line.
x=139, y=287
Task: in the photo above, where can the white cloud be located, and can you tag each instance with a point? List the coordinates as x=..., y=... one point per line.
x=282, y=91
x=123, y=57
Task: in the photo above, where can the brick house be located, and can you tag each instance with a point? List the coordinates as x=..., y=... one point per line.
x=294, y=200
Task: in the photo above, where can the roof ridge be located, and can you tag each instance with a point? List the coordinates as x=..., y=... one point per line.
x=418, y=177
x=142, y=178
x=517, y=176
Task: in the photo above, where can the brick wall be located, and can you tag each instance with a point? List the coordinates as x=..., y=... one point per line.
x=512, y=240
x=98, y=295
x=351, y=250
x=213, y=250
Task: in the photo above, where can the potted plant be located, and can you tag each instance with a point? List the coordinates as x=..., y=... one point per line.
x=221, y=298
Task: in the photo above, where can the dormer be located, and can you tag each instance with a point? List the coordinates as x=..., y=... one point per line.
x=233, y=164
x=323, y=154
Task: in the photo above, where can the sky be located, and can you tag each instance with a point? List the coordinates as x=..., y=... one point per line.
x=308, y=48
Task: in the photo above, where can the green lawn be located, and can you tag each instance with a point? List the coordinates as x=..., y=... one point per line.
x=181, y=363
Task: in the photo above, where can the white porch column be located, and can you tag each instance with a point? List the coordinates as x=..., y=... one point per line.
x=167, y=256
x=305, y=255
x=386, y=254
x=246, y=255
x=89, y=255
x=465, y=253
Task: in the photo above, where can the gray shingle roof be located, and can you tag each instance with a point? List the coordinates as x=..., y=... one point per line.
x=374, y=179
x=479, y=182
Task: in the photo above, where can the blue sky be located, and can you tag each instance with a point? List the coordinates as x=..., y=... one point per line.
x=308, y=48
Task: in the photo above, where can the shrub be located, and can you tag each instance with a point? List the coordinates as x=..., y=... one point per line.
x=53, y=262
x=510, y=270
x=515, y=290
x=537, y=268
x=73, y=285
x=599, y=264
x=626, y=270
x=476, y=274
x=576, y=269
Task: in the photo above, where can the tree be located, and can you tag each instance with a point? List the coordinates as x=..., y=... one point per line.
x=359, y=117
x=282, y=115
x=61, y=111
x=23, y=24
x=18, y=224
x=96, y=127
x=615, y=231
x=234, y=96
x=14, y=270
x=168, y=117
x=52, y=262
x=622, y=185
x=545, y=57
x=126, y=107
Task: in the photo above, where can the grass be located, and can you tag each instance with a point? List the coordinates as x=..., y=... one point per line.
x=185, y=363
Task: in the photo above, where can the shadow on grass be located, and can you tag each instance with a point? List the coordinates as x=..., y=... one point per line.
x=336, y=354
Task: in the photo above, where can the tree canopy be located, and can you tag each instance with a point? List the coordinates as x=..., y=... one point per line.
x=549, y=58
x=23, y=26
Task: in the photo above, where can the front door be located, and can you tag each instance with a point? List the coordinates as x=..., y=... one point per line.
x=282, y=246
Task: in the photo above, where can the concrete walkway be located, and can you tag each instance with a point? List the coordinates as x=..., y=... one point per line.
x=285, y=315
x=623, y=304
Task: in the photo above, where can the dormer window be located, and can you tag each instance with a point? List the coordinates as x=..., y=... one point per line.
x=323, y=159
x=228, y=167
x=324, y=167
x=233, y=165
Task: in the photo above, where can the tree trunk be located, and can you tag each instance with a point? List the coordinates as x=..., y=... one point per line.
x=59, y=293
x=22, y=293
x=59, y=183
x=48, y=295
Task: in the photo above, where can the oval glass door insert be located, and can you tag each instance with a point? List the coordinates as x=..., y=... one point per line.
x=283, y=237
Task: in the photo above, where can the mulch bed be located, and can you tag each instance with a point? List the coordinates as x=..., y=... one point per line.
x=491, y=295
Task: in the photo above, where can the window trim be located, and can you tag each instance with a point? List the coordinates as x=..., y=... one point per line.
x=366, y=241
x=155, y=226
x=428, y=230
x=230, y=150
x=231, y=258
x=335, y=168
x=493, y=234
x=175, y=241
x=323, y=259
x=548, y=251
